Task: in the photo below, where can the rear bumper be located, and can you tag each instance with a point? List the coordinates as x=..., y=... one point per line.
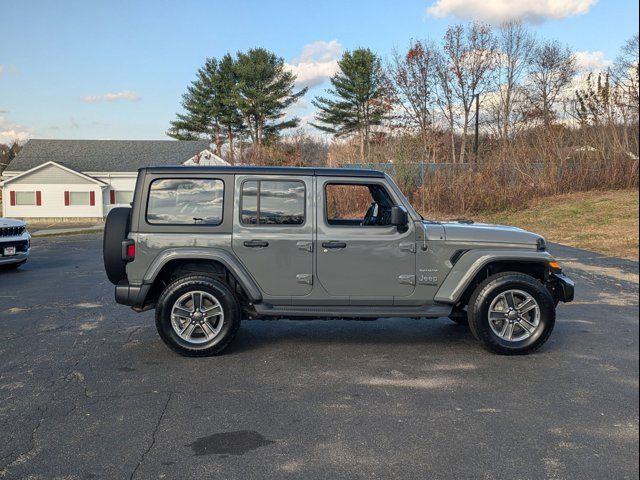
x=131, y=295
x=562, y=287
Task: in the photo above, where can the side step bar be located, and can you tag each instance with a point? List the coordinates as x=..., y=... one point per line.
x=351, y=311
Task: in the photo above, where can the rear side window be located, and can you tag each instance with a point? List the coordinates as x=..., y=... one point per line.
x=178, y=201
x=272, y=202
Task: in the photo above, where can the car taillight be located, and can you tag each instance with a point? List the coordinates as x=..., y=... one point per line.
x=128, y=250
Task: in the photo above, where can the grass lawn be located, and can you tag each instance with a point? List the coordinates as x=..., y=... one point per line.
x=605, y=222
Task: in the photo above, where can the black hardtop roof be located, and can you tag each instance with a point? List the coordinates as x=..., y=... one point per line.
x=250, y=170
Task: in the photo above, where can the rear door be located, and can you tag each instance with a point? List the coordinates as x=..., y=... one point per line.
x=273, y=233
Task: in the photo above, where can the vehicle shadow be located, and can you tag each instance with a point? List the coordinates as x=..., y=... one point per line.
x=258, y=334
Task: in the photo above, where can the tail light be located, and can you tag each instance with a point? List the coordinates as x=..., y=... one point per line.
x=128, y=250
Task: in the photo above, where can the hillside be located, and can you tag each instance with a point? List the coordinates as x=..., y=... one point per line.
x=604, y=222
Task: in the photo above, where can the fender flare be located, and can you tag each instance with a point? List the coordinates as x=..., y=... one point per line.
x=238, y=270
x=469, y=264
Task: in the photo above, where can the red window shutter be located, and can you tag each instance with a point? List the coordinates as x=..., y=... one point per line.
x=113, y=196
x=38, y=198
x=92, y=198
x=66, y=199
x=12, y=194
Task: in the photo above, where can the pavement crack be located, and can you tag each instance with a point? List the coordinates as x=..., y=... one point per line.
x=153, y=437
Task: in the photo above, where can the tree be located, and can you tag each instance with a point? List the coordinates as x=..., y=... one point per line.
x=359, y=98
x=414, y=76
x=552, y=68
x=465, y=70
x=265, y=90
x=626, y=72
x=515, y=46
x=200, y=117
x=8, y=153
x=230, y=96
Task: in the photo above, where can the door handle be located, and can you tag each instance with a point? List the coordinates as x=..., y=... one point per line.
x=256, y=244
x=334, y=244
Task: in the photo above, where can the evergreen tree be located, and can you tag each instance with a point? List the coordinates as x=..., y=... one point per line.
x=199, y=118
x=265, y=90
x=230, y=96
x=359, y=98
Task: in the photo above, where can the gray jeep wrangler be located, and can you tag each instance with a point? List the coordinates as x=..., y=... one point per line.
x=208, y=246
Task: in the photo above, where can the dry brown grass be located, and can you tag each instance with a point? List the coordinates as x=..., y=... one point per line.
x=604, y=222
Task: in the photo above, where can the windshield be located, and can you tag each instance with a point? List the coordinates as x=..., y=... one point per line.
x=412, y=211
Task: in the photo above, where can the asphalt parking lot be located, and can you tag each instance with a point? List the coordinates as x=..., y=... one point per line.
x=88, y=390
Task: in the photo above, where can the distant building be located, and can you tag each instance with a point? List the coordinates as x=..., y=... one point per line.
x=84, y=179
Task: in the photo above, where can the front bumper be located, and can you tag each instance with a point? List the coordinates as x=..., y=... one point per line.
x=561, y=287
x=21, y=243
x=17, y=258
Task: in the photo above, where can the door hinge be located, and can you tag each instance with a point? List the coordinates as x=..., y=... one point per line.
x=407, y=279
x=306, y=246
x=304, y=278
x=408, y=247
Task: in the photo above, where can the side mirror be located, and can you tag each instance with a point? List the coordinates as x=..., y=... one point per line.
x=399, y=217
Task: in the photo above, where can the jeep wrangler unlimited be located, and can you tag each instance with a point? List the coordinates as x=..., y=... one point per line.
x=207, y=246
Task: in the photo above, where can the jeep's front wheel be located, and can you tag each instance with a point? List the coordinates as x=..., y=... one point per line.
x=511, y=313
x=197, y=316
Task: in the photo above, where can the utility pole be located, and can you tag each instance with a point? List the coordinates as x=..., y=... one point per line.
x=476, y=140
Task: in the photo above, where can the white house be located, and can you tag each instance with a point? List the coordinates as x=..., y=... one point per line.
x=84, y=179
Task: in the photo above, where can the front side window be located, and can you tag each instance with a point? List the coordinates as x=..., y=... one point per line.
x=357, y=205
x=79, y=198
x=272, y=202
x=185, y=201
x=25, y=198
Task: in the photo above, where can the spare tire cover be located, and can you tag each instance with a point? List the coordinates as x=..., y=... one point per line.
x=116, y=230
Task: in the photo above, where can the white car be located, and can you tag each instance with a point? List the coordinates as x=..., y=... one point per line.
x=15, y=242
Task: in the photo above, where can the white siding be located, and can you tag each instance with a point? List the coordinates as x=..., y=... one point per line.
x=52, y=201
x=116, y=181
x=51, y=174
x=53, y=181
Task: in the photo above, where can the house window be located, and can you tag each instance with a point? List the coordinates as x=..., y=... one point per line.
x=174, y=201
x=266, y=202
x=78, y=198
x=121, y=197
x=25, y=198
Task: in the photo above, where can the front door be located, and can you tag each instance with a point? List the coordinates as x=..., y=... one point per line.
x=359, y=254
x=273, y=233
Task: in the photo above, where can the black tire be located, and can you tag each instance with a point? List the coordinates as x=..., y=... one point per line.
x=488, y=290
x=116, y=229
x=223, y=295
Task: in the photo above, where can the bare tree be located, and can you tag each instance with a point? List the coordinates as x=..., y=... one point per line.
x=626, y=73
x=465, y=70
x=516, y=45
x=552, y=68
x=414, y=76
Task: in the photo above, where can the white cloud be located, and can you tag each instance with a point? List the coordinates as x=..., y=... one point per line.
x=590, y=61
x=7, y=69
x=317, y=62
x=112, y=97
x=498, y=11
x=10, y=132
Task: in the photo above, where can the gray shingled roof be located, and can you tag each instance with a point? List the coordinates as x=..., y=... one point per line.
x=105, y=155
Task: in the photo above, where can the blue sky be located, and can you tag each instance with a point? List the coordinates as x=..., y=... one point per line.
x=116, y=69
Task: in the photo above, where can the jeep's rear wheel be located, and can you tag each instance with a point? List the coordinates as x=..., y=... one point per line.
x=197, y=316
x=511, y=313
